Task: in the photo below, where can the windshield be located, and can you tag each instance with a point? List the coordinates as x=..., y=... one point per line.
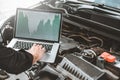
x=112, y=3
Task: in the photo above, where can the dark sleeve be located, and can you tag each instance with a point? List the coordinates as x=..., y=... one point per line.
x=14, y=61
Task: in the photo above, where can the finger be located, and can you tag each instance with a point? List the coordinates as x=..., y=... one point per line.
x=43, y=49
x=40, y=46
x=34, y=45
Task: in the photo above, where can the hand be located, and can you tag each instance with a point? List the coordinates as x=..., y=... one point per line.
x=37, y=51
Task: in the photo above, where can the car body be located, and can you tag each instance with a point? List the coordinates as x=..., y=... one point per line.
x=89, y=28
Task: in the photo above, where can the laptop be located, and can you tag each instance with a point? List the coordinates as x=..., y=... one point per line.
x=40, y=27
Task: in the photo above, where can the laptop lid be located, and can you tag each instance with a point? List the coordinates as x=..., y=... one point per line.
x=41, y=25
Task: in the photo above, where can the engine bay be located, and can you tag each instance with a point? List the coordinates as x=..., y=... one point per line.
x=86, y=53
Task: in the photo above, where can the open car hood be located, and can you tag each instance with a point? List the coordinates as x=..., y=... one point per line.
x=88, y=30
x=99, y=18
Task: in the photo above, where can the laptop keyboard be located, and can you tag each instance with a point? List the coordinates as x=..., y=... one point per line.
x=28, y=45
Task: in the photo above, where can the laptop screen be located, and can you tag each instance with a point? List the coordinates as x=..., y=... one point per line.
x=38, y=24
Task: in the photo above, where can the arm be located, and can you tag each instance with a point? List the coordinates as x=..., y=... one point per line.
x=18, y=61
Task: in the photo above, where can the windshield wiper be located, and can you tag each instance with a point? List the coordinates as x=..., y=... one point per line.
x=107, y=10
x=106, y=7
x=100, y=7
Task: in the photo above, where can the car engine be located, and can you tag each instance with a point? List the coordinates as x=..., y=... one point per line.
x=89, y=49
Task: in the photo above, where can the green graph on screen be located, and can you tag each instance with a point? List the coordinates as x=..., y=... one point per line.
x=38, y=25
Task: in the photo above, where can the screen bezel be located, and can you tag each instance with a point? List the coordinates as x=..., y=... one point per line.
x=40, y=10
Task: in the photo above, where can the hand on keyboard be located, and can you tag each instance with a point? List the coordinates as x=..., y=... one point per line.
x=28, y=45
x=37, y=51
